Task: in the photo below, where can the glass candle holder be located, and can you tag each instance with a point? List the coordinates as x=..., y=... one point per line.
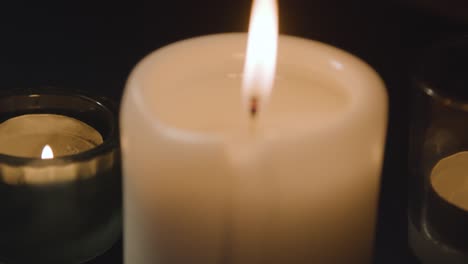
x=438, y=184
x=60, y=180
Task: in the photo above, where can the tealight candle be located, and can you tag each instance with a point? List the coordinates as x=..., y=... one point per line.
x=59, y=177
x=448, y=207
x=438, y=145
x=218, y=171
x=26, y=135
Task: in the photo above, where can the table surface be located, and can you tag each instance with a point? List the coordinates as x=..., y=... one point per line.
x=114, y=256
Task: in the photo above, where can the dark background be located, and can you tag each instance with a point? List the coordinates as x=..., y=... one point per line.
x=92, y=46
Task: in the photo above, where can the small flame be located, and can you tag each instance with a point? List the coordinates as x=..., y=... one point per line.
x=262, y=46
x=47, y=152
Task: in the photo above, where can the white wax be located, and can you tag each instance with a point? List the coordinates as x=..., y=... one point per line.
x=298, y=185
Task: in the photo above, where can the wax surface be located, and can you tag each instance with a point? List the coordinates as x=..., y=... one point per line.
x=213, y=102
x=449, y=179
x=206, y=184
x=26, y=135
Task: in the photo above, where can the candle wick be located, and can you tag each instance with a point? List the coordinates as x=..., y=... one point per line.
x=253, y=106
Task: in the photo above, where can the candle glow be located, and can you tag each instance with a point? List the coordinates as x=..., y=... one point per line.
x=47, y=152
x=261, y=56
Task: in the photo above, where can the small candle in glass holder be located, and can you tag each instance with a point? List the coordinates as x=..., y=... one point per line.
x=59, y=177
x=448, y=209
x=438, y=145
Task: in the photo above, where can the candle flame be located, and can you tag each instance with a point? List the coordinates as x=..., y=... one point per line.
x=47, y=152
x=262, y=46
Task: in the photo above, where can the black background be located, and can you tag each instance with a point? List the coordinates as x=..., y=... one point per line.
x=92, y=46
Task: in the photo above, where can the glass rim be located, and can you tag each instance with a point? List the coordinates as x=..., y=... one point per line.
x=110, y=141
x=419, y=77
x=447, y=101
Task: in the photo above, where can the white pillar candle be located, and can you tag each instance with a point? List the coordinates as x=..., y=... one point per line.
x=204, y=183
